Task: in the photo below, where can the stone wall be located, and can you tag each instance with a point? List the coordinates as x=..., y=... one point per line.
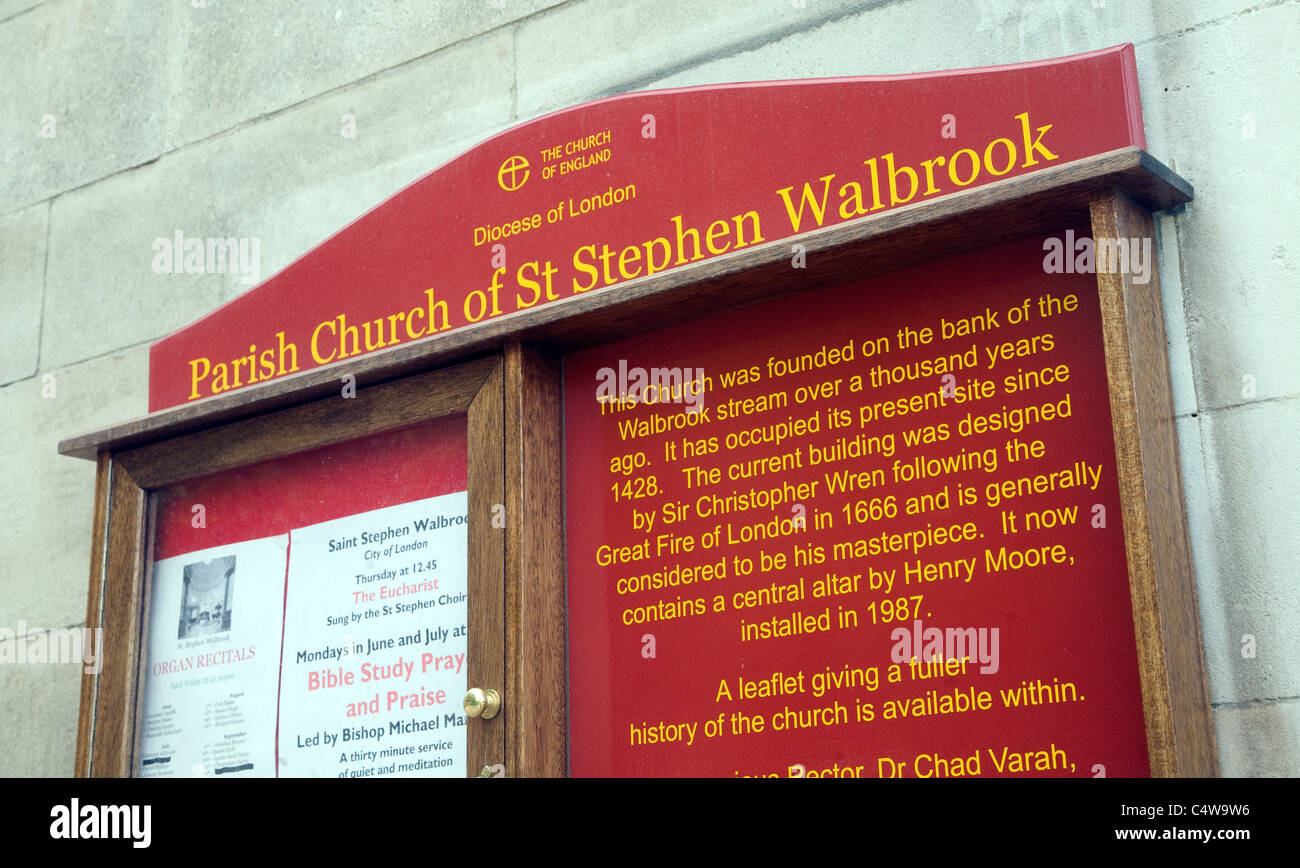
x=127, y=121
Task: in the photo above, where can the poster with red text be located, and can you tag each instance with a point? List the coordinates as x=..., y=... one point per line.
x=375, y=644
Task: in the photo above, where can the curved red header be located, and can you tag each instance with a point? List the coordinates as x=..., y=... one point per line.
x=617, y=189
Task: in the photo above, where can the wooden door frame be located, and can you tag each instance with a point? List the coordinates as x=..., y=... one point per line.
x=118, y=600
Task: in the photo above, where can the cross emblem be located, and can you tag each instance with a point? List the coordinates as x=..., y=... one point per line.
x=509, y=177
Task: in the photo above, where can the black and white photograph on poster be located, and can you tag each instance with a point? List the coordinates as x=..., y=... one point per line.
x=206, y=599
x=375, y=644
x=209, y=708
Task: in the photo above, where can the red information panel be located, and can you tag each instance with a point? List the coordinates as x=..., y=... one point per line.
x=871, y=531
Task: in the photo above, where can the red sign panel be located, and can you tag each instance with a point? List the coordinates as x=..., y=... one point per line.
x=868, y=531
x=311, y=487
x=630, y=186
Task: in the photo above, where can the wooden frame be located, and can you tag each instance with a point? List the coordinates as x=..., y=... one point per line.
x=1171, y=656
x=535, y=609
x=1114, y=192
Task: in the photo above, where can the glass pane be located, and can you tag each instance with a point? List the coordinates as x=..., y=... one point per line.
x=307, y=615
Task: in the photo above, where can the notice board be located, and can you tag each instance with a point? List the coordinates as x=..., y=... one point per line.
x=872, y=531
x=810, y=428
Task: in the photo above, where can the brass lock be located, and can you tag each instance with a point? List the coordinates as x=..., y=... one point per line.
x=496, y=771
x=482, y=703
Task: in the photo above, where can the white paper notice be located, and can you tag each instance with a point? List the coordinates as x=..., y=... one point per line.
x=374, y=644
x=213, y=662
